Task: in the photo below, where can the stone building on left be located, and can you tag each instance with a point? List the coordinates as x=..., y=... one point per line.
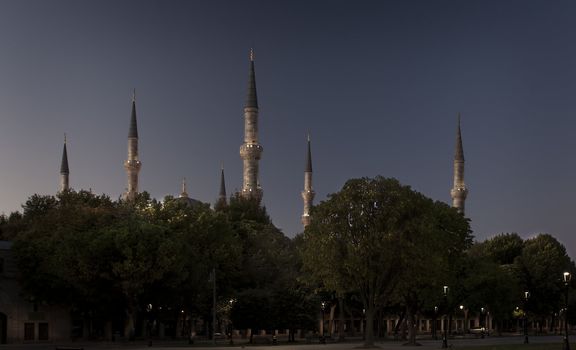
x=22, y=320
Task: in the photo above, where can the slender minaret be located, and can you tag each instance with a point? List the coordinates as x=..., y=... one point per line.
x=132, y=164
x=251, y=150
x=184, y=194
x=222, y=194
x=459, y=191
x=308, y=193
x=64, y=170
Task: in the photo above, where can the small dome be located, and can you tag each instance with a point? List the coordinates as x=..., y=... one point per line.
x=191, y=202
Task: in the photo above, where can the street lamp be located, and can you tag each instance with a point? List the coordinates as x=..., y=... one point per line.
x=482, y=322
x=230, y=326
x=465, y=312
x=149, y=324
x=322, y=307
x=434, y=325
x=363, y=324
x=526, y=296
x=445, y=335
x=566, y=277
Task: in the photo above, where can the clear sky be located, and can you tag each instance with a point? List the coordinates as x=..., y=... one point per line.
x=378, y=84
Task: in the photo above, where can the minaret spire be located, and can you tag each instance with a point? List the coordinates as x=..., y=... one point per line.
x=132, y=164
x=251, y=97
x=184, y=194
x=64, y=170
x=308, y=193
x=251, y=150
x=459, y=190
x=222, y=193
x=133, y=132
x=222, y=200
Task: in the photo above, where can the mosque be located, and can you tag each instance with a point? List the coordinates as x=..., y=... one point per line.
x=251, y=153
x=26, y=321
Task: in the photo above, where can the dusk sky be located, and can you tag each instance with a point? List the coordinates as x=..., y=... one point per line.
x=378, y=84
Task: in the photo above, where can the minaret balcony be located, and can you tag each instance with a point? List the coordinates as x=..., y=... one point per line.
x=251, y=150
x=459, y=192
x=132, y=164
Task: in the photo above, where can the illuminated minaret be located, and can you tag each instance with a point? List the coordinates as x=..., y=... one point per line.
x=251, y=150
x=64, y=170
x=222, y=200
x=459, y=191
x=132, y=164
x=184, y=194
x=308, y=193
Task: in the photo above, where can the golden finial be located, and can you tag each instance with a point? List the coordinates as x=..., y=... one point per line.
x=251, y=54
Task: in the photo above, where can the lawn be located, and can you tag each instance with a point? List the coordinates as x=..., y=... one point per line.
x=555, y=346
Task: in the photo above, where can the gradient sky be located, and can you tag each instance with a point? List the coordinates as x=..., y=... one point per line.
x=378, y=84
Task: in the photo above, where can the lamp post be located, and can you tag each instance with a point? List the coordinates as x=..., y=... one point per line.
x=213, y=280
x=230, y=325
x=149, y=324
x=322, y=307
x=363, y=324
x=434, y=325
x=566, y=277
x=445, y=335
x=482, y=322
x=465, y=322
x=526, y=296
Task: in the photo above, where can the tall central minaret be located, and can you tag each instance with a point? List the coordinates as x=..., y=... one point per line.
x=251, y=150
x=132, y=164
x=64, y=170
x=308, y=193
x=459, y=191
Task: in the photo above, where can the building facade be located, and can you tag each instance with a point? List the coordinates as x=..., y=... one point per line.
x=22, y=320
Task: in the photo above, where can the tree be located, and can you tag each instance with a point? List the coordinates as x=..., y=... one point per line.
x=491, y=282
x=539, y=269
x=502, y=249
x=267, y=274
x=365, y=239
x=433, y=246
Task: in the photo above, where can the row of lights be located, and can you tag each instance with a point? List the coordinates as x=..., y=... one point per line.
x=566, y=277
x=566, y=345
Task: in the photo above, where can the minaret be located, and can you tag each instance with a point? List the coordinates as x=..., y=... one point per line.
x=251, y=150
x=184, y=194
x=459, y=191
x=64, y=170
x=222, y=200
x=132, y=164
x=308, y=193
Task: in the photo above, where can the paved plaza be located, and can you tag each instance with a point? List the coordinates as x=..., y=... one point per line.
x=384, y=345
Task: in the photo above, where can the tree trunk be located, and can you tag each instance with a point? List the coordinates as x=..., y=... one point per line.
x=108, y=330
x=411, y=323
x=352, y=331
x=398, y=325
x=129, y=323
x=369, y=327
x=331, y=328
